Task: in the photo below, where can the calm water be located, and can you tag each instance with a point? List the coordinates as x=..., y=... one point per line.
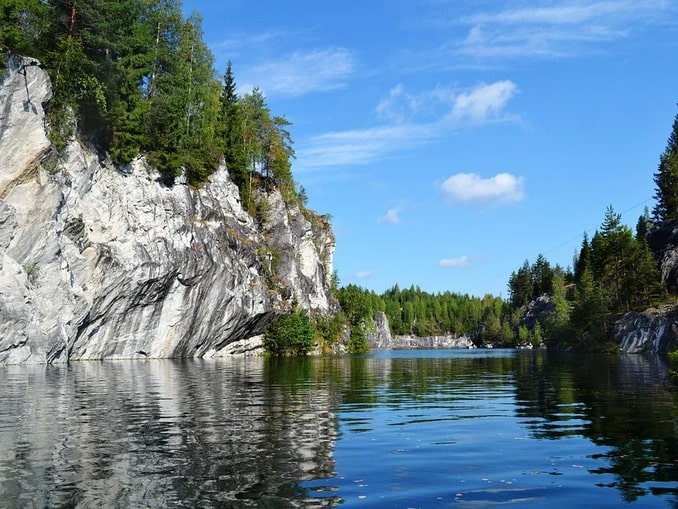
x=397, y=429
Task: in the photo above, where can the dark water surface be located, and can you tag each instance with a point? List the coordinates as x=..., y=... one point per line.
x=451, y=428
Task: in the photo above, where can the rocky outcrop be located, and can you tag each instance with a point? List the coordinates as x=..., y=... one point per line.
x=101, y=262
x=536, y=311
x=652, y=331
x=380, y=338
x=431, y=342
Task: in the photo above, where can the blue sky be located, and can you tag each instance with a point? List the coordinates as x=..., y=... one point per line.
x=450, y=141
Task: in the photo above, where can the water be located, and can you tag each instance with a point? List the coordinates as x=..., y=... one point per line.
x=391, y=429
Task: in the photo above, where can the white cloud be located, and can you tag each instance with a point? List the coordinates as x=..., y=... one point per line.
x=364, y=274
x=359, y=146
x=562, y=29
x=503, y=188
x=301, y=73
x=572, y=13
x=392, y=216
x=483, y=102
x=445, y=110
x=462, y=261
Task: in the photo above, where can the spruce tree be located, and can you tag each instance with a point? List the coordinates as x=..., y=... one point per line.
x=234, y=153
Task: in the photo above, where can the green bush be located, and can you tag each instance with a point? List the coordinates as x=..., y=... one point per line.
x=357, y=342
x=329, y=329
x=289, y=334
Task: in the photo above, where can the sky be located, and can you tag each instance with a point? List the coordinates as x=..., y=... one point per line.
x=452, y=140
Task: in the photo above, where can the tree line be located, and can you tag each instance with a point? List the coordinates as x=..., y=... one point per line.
x=136, y=77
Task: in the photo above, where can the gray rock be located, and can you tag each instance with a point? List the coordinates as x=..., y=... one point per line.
x=404, y=342
x=98, y=262
x=380, y=338
x=652, y=331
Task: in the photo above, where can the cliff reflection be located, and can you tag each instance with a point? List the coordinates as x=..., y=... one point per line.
x=266, y=432
x=162, y=433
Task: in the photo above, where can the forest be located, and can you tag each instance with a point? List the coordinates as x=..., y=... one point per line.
x=134, y=77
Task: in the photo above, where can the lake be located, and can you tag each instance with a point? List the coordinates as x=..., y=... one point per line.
x=392, y=429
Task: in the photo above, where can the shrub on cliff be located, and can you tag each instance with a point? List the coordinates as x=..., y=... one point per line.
x=289, y=334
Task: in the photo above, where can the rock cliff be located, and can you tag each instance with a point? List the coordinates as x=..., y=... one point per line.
x=381, y=339
x=652, y=331
x=102, y=262
x=431, y=342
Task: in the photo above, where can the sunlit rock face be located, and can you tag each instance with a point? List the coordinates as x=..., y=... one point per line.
x=380, y=338
x=100, y=262
x=432, y=342
x=651, y=332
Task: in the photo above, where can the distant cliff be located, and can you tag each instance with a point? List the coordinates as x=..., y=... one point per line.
x=103, y=262
x=381, y=338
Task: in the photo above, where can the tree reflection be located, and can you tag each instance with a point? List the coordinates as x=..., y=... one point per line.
x=618, y=402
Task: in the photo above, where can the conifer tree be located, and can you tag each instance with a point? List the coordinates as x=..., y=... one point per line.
x=233, y=137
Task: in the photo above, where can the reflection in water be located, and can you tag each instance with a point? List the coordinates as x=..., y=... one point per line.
x=159, y=434
x=390, y=429
x=620, y=403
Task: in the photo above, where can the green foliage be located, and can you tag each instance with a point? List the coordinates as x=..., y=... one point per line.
x=32, y=271
x=413, y=311
x=357, y=342
x=262, y=210
x=614, y=273
x=289, y=334
x=329, y=329
x=23, y=24
x=356, y=304
x=532, y=281
x=134, y=77
x=523, y=335
x=557, y=324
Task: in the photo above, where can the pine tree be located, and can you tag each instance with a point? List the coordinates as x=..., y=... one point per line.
x=666, y=180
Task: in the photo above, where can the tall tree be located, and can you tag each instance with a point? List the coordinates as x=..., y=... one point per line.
x=521, y=286
x=233, y=136
x=666, y=180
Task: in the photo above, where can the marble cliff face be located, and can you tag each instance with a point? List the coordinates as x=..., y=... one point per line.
x=102, y=262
